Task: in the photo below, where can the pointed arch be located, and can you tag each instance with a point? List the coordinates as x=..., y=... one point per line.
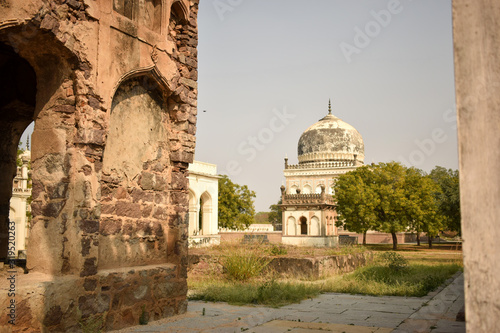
x=152, y=79
x=291, y=226
x=205, y=213
x=307, y=189
x=193, y=212
x=303, y=225
x=179, y=11
x=315, y=226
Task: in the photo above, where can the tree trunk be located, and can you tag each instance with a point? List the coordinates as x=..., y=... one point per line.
x=394, y=241
x=418, y=238
x=364, y=238
x=429, y=237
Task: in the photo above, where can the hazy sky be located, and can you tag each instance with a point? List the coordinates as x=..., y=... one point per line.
x=268, y=67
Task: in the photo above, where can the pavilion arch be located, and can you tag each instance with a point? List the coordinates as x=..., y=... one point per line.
x=303, y=225
x=293, y=189
x=193, y=212
x=307, y=189
x=205, y=214
x=315, y=227
x=291, y=226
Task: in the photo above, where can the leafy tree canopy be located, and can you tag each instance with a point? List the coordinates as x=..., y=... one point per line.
x=449, y=197
x=276, y=216
x=356, y=201
x=236, y=205
x=387, y=197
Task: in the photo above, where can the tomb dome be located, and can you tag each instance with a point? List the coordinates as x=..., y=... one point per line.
x=329, y=140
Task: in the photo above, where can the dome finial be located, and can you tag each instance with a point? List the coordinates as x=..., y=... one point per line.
x=329, y=106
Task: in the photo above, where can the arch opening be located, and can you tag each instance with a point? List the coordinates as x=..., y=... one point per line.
x=178, y=13
x=18, y=89
x=205, y=214
x=303, y=225
x=291, y=226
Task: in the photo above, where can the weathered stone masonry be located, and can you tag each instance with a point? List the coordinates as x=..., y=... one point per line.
x=112, y=88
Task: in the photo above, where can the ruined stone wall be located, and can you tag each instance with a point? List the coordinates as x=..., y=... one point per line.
x=115, y=123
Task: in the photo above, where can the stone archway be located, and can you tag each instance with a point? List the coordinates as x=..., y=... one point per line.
x=17, y=109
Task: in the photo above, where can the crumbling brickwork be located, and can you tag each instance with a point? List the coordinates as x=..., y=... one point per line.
x=111, y=86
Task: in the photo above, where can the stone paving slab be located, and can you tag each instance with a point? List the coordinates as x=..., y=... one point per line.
x=438, y=314
x=330, y=312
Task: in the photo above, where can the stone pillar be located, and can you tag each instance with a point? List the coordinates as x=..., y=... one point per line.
x=476, y=30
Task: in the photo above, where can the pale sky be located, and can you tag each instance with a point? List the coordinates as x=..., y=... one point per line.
x=268, y=67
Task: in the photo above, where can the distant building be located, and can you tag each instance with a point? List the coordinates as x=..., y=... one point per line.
x=203, y=204
x=327, y=149
x=19, y=206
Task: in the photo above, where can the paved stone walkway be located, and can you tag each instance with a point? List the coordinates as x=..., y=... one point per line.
x=329, y=312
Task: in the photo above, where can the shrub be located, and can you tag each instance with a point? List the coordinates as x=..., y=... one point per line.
x=394, y=261
x=243, y=264
x=277, y=250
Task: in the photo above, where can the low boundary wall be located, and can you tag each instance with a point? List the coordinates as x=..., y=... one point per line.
x=313, y=267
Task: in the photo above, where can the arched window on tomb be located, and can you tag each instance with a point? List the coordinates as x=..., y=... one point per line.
x=293, y=189
x=124, y=7
x=291, y=226
x=318, y=189
x=205, y=214
x=303, y=225
x=178, y=12
x=315, y=228
x=193, y=213
x=307, y=189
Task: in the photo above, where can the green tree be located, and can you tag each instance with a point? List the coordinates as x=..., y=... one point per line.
x=275, y=216
x=422, y=207
x=449, y=197
x=236, y=205
x=356, y=201
x=389, y=184
x=388, y=197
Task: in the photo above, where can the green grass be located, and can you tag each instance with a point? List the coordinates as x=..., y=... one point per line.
x=413, y=271
x=271, y=293
x=417, y=280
